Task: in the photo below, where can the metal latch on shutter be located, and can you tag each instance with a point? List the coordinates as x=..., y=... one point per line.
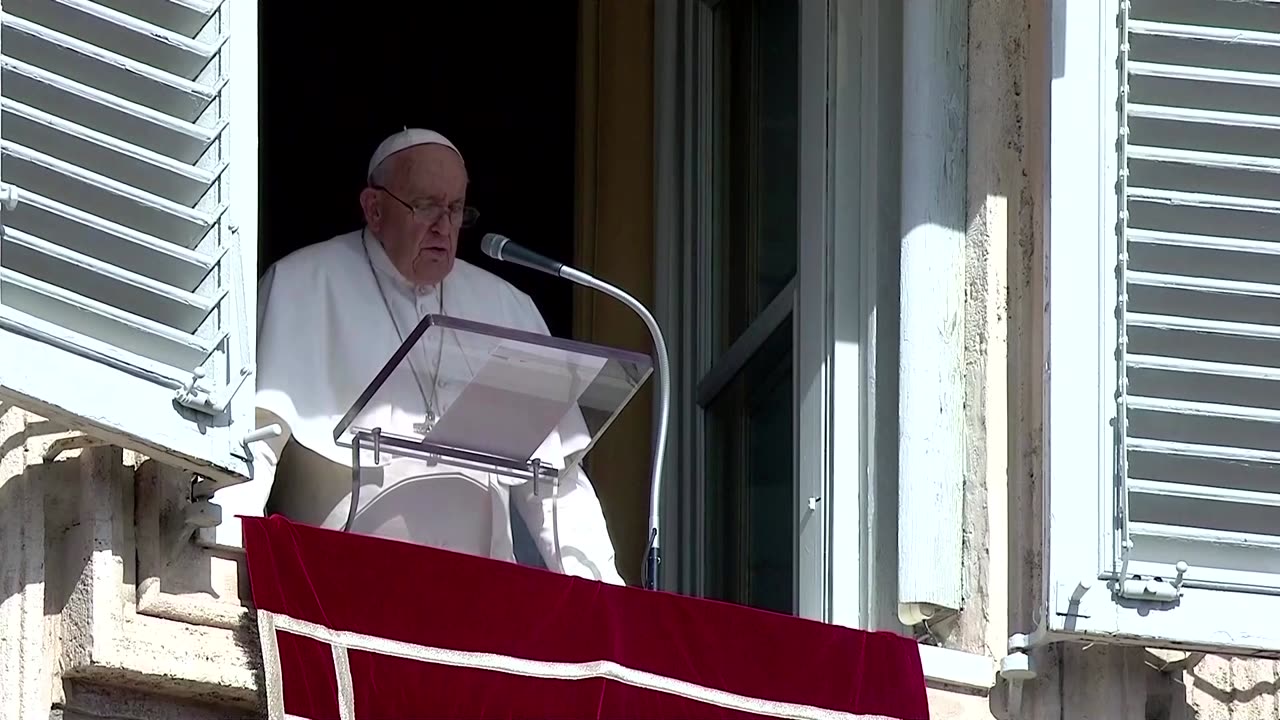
x=196, y=396
x=1153, y=589
x=9, y=196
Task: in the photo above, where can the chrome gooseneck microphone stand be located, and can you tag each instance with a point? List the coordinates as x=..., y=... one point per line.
x=502, y=248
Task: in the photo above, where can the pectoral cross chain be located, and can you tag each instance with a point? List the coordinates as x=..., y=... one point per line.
x=427, y=424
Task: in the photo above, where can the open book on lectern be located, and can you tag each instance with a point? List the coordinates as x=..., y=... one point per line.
x=480, y=396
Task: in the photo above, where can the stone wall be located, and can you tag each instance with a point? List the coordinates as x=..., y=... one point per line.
x=107, y=607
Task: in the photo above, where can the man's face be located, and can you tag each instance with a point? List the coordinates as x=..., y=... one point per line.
x=417, y=211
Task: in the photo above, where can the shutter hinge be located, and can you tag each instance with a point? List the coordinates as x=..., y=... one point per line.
x=196, y=396
x=1018, y=667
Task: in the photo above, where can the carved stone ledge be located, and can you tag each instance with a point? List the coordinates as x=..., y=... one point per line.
x=151, y=655
x=179, y=579
x=142, y=607
x=85, y=700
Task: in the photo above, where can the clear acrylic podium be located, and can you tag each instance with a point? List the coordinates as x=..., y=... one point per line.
x=524, y=406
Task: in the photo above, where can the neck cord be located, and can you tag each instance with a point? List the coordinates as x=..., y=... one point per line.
x=432, y=415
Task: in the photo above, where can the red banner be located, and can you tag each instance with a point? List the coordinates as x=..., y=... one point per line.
x=354, y=626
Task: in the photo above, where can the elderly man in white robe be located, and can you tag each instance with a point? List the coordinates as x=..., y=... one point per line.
x=330, y=316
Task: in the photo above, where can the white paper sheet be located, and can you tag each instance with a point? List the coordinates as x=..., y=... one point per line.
x=514, y=404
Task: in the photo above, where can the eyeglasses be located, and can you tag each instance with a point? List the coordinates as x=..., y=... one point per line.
x=431, y=213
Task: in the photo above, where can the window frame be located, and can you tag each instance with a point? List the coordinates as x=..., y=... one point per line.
x=685, y=41
x=830, y=574
x=851, y=60
x=1081, y=334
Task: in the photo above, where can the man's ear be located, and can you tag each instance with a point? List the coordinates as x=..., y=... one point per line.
x=371, y=208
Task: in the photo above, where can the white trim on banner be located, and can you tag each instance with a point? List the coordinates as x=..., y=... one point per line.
x=346, y=691
x=271, y=664
x=606, y=669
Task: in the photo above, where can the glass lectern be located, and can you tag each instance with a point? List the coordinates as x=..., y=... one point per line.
x=522, y=405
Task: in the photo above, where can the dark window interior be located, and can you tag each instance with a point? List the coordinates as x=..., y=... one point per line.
x=497, y=78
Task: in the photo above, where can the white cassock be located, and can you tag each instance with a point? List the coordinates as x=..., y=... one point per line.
x=324, y=333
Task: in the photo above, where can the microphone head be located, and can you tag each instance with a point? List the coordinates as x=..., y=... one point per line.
x=491, y=245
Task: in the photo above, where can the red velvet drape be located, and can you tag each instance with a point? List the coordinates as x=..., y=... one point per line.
x=445, y=600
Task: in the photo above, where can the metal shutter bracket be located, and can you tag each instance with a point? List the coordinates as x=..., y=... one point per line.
x=194, y=394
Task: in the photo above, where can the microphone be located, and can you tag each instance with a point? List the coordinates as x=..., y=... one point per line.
x=500, y=247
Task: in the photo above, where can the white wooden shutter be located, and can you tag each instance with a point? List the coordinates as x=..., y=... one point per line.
x=128, y=265
x=1185, y=435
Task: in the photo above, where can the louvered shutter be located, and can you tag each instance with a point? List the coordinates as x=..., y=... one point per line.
x=1202, y=406
x=1186, y=428
x=129, y=131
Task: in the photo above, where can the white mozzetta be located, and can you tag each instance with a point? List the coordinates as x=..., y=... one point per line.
x=1164, y=388
x=128, y=264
